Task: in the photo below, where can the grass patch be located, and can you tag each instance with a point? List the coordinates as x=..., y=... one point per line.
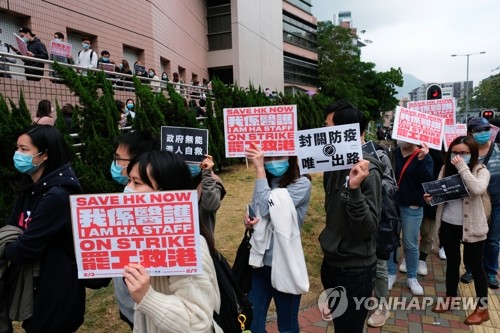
x=102, y=314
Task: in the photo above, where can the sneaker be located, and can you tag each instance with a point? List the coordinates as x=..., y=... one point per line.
x=391, y=279
x=415, y=287
x=493, y=282
x=466, y=277
x=402, y=267
x=442, y=254
x=379, y=317
x=422, y=268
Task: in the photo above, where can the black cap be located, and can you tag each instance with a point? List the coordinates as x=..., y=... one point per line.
x=26, y=30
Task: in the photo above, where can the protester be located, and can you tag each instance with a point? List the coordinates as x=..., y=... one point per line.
x=67, y=112
x=164, y=79
x=87, y=58
x=130, y=145
x=154, y=83
x=43, y=113
x=180, y=303
x=210, y=189
x=36, y=49
x=413, y=166
x=59, y=37
x=464, y=221
x=42, y=211
x=277, y=179
x=124, y=68
x=129, y=108
x=353, y=209
x=489, y=155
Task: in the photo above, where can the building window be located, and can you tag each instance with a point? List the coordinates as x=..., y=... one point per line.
x=304, y=5
x=300, y=71
x=224, y=74
x=219, y=27
x=299, y=33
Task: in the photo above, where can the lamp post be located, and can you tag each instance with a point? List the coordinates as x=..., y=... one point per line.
x=467, y=81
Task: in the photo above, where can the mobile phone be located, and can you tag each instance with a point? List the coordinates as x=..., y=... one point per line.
x=251, y=213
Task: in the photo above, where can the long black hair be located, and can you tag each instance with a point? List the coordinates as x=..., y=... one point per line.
x=450, y=169
x=291, y=174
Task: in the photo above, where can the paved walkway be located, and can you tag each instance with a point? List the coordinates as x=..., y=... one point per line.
x=415, y=321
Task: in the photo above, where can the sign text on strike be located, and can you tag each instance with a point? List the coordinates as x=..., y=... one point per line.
x=134, y=199
x=273, y=109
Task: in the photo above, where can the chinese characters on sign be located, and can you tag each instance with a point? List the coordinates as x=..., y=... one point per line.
x=272, y=128
x=191, y=144
x=453, y=131
x=158, y=230
x=443, y=108
x=60, y=49
x=328, y=148
x=446, y=189
x=418, y=127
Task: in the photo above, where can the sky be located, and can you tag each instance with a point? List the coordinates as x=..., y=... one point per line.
x=420, y=36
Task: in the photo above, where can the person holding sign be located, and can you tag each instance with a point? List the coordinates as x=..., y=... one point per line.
x=36, y=49
x=280, y=198
x=42, y=212
x=181, y=303
x=464, y=221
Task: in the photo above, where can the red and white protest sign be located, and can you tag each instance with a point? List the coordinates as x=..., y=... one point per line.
x=493, y=131
x=453, y=131
x=418, y=127
x=444, y=108
x=270, y=127
x=60, y=49
x=21, y=45
x=158, y=230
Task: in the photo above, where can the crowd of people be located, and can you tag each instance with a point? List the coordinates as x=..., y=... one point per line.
x=43, y=243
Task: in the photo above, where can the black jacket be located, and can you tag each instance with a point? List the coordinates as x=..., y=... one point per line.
x=43, y=211
x=39, y=51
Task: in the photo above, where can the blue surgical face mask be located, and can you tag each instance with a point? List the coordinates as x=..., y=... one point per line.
x=128, y=190
x=465, y=157
x=25, y=39
x=482, y=137
x=24, y=163
x=116, y=173
x=164, y=77
x=85, y=46
x=105, y=59
x=195, y=169
x=277, y=168
x=151, y=74
x=130, y=106
x=121, y=66
x=57, y=39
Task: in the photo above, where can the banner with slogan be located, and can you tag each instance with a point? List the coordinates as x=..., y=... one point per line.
x=418, y=127
x=493, y=132
x=270, y=127
x=60, y=49
x=108, y=67
x=21, y=45
x=451, y=132
x=446, y=189
x=191, y=144
x=158, y=230
x=443, y=108
x=328, y=148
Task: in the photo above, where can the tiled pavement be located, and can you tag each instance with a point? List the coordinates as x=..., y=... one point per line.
x=414, y=321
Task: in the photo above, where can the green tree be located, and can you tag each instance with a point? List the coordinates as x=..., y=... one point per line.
x=487, y=94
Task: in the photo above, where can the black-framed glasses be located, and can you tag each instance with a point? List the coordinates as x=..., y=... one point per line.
x=479, y=130
x=117, y=159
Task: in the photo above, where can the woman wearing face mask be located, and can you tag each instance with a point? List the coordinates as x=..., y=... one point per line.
x=155, y=81
x=129, y=108
x=464, y=221
x=182, y=303
x=42, y=212
x=210, y=191
x=413, y=166
x=124, y=68
x=43, y=113
x=279, y=182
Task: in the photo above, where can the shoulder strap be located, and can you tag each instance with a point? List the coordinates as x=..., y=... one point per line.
x=408, y=161
x=488, y=155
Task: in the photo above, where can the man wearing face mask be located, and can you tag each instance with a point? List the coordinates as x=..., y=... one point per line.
x=489, y=155
x=129, y=146
x=36, y=49
x=87, y=58
x=59, y=37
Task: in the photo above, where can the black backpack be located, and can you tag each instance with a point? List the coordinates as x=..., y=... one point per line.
x=389, y=226
x=233, y=302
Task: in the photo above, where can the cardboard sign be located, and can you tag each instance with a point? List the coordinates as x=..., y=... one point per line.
x=158, y=230
x=446, y=189
x=60, y=49
x=418, y=127
x=21, y=45
x=443, y=108
x=270, y=127
x=108, y=67
x=451, y=132
x=494, y=131
x=139, y=70
x=329, y=148
x=191, y=144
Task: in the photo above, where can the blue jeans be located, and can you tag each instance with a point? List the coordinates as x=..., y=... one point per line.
x=287, y=305
x=411, y=219
x=357, y=282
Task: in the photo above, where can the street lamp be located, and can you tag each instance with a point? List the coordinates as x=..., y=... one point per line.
x=467, y=80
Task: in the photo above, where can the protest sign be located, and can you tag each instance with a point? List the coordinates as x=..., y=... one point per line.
x=21, y=45
x=328, y=148
x=418, y=127
x=60, y=49
x=443, y=108
x=369, y=149
x=272, y=128
x=446, y=189
x=493, y=132
x=108, y=67
x=190, y=144
x=158, y=230
x=453, y=131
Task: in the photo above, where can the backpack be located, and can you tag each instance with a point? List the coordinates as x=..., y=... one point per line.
x=233, y=302
x=91, y=54
x=389, y=226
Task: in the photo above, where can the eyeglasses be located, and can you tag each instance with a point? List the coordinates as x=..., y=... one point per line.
x=117, y=159
x=479, y=130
